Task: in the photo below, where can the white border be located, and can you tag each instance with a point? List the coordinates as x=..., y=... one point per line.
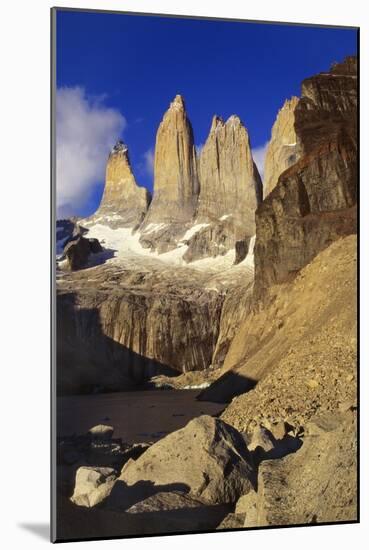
x=24, y=192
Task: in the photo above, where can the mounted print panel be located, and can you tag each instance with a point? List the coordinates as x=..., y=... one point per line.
x=205, y=246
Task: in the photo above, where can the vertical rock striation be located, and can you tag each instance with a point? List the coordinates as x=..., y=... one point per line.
x=176, y=186
x=314, y=201
x=283, y=149
x=230, y=182
x=230, y=191
x=124, y=203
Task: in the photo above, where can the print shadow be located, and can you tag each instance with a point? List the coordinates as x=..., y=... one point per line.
x=89, y=361
x=226, y=387
x=42, y=530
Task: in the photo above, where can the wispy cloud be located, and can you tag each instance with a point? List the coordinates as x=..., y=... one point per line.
x=86, y=129
x=149, y=156
x=258, y=155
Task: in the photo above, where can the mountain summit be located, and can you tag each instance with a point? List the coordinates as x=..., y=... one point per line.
x=124, y=203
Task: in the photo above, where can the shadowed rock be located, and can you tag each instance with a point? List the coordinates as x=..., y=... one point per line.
x=316, y=484
x=313, y=202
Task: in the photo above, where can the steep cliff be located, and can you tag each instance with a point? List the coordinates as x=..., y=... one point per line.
x=124, y=203
x=230, y=191
x=120, y=325
x=314, y=200
x=208, y=204
x=283, y=149
x=230, y=183
x=176, y=184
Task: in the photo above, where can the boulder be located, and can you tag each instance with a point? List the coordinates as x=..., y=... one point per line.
x=101, y=431
x=207, y=459
x=78, y=249
x=92, y=485
x=77, y=253
x=317, y=484
x=261, y=439
x=232, y=521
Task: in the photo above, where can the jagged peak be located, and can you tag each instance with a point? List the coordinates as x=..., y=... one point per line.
x=291, y=102
x=216, y=122
x=119, y=147
x=346, y=67
x=178, y=103
x=234, y=120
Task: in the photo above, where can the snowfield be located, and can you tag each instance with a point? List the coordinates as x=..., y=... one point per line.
x=125, y=244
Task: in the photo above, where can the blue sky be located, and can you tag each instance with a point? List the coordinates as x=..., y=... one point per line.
x=120, y=73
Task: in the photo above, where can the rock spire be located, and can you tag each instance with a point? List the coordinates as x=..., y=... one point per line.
x=176, y=185
x=230, y=182
x=124, y=203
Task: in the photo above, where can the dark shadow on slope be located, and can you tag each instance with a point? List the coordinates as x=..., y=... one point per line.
x=228, y=386
x=99, y=258
x=89, y=361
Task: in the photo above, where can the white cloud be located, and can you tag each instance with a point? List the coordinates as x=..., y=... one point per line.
x=258, y=154
x=149, y=157
x=85, y=132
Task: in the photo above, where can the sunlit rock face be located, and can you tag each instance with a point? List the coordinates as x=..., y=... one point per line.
x=124, y=203
x=176, y=185
x=230, y=182
x=230, y=191
x=283, y=149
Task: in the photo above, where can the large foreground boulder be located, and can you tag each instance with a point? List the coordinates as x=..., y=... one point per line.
x=207, y=459
x=316, y=484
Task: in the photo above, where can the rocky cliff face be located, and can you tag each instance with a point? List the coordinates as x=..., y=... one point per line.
x=124, y=203
x=213, y=198
x=117, y=327
x=176, y=186
x=230, y=182
x=230, y=191
x=314, y=200
x=283, y=149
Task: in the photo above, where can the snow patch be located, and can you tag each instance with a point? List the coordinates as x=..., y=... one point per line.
x=225, y=216
x=154, y=227
x=125, y=244
x=219, y=262
x=192, y=231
